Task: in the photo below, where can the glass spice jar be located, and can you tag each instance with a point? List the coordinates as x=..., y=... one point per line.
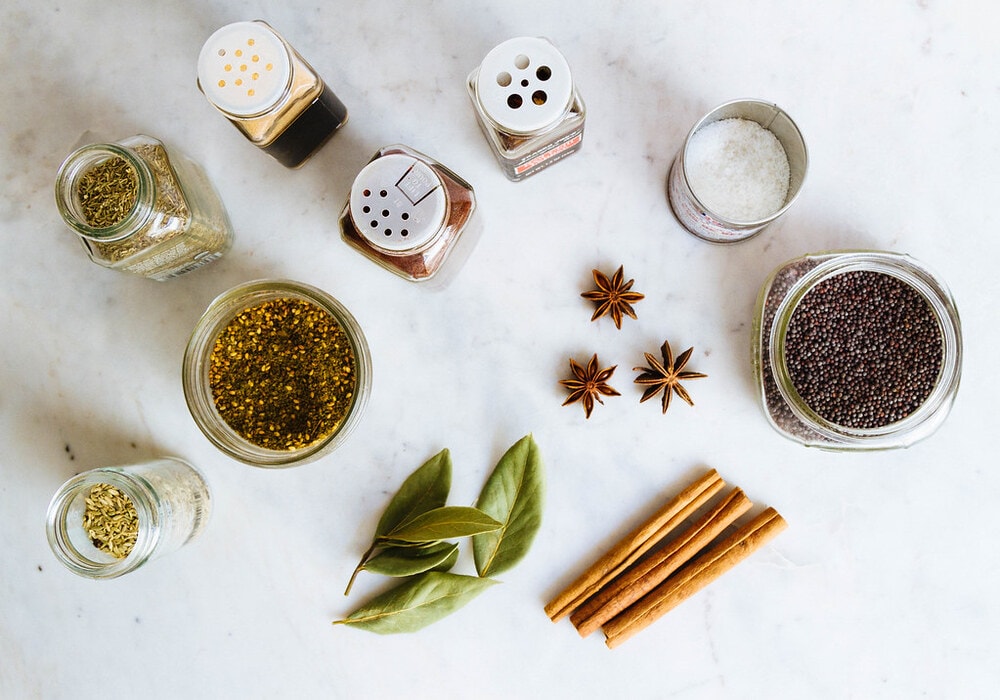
x=856, y=350
x=250, y=74
x=109, y=521
x=527, y=105
x=410, y=214
x=277, y=373
x=141, y=208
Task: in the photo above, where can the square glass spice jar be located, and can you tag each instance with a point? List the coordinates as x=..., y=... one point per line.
x=410, y=214
x=250, y=74
x=142, y=208
x=277, y=373
x=109, y=521
x=856, y=350
x=527, y=105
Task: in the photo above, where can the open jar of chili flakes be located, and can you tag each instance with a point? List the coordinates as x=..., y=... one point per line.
x=856, y=350
x=276, y=373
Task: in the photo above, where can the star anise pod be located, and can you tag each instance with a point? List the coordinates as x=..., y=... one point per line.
x=666, y=376
x=613, y=296
x=588, y=384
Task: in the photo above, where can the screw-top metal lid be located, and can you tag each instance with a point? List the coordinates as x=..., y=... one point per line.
x=244, y=69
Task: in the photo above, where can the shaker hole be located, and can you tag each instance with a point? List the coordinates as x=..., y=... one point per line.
x=404, y=216
x=374, y=224
x=521, y=61
x=222, y=52
x=524, y=83
x=388, y=232
x=404, y=233
x=383, y=193
x=385, y=212
x=503, y=79
x=539, y=97
x=514, y=101
x=543, y=73
x=366, y=209
x=367, y=193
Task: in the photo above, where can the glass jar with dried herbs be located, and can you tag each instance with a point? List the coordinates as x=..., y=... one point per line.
x=109, y=521
x=141, y=208
x=276, y=373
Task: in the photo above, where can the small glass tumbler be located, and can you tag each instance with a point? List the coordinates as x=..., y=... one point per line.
x=277, y=373
x=171, y=504
x=856, y=350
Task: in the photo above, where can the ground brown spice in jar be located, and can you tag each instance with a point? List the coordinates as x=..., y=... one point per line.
x=282, y=374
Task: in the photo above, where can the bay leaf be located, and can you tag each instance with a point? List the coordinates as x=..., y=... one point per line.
x=513, y=495
x=407, y=561
x=416, y=603
x=425, y=489
x=444, y=523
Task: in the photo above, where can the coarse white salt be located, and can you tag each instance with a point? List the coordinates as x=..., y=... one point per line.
x=737, y=169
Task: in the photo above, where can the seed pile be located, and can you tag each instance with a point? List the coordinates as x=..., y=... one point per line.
x=282, y=374
x=107, y=192
x=863, y=349
x=110, y=520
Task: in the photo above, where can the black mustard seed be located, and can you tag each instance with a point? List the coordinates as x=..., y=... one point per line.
x=863, y=349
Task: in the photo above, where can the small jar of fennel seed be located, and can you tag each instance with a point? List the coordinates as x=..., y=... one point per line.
x=276, y=373
x=138, y=207
x=856, y=350
x=109, y=521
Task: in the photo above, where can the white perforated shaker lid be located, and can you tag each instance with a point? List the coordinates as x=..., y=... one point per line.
x=244, y=69
x=398, y=203
x=524, y=84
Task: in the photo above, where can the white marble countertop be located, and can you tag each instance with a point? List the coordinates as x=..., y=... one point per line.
x=884, y=584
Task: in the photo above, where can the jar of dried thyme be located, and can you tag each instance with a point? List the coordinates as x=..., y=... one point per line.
x=276, y=373
x=109, y=521
x=856, y=350
x=141, y=208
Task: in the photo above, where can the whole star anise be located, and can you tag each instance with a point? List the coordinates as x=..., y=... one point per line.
x=588, y=384
x=613, y=296
x=666, y=376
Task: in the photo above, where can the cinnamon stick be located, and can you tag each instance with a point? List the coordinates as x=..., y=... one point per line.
x=651, y=572
x=711, y=564
x=634, y=545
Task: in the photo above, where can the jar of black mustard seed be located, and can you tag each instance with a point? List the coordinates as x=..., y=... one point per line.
x=856, y=350
x=276, y=373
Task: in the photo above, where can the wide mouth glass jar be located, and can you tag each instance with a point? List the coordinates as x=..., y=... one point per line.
x=856, y=350
x=109, y=521
x=276, y=373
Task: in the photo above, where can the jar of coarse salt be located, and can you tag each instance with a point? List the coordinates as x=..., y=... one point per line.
x=740, y=168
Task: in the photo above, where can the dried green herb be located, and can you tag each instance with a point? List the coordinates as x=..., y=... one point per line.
x=513, y=494
x=107, y=192
x=409, y=533
x=408, y=561
x=282, y=374
x=110, y=520
x=416, y=603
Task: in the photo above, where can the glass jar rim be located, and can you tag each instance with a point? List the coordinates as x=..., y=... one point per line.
x=197, y=357
x=942, y=306
x=79, y=162
x=138, y=491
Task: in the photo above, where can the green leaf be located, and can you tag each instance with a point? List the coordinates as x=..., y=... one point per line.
x=416, y=603
x=407, y=561
x=514, y=495
x=444, y=523
x=425, y=489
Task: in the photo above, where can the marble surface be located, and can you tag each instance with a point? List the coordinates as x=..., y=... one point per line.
x=885, y=583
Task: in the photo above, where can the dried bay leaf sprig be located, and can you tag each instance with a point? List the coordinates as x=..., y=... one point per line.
x=408, y=540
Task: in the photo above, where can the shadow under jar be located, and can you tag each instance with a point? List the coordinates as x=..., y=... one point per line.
x=276, y=373
x=856, y=350
x=109, y=521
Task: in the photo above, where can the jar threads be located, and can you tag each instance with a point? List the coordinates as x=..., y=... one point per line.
x=274, y=387
x=889, y=365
